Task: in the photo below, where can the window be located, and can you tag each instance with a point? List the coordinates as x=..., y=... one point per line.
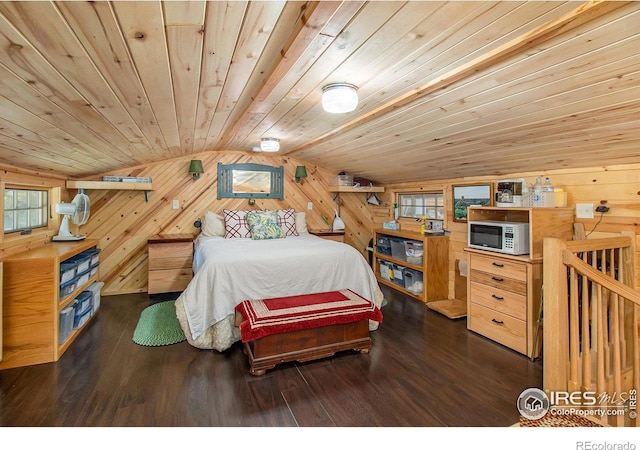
x=428, y=204
x=25, y=209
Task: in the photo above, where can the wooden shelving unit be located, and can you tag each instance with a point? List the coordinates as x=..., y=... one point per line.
x=363, y=189
x=32, y=304
x=434, y=267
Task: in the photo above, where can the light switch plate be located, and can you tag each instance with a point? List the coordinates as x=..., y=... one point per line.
x=310, y=206
x=175, y=204
x=584, y=210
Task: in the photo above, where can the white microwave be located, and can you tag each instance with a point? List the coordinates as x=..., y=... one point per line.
x=504, y=237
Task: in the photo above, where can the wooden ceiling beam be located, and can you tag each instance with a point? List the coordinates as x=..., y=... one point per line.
x=310, y=24
x=577, y=17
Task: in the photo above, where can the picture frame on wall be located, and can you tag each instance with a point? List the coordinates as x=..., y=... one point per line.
x=470, y=195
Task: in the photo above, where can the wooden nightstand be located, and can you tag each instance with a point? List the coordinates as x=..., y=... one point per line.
x=330, y=235
x=170, y=262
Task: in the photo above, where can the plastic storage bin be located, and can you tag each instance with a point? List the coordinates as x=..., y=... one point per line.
x=85, y=302
x=67, y=289
x=67, y=271
x=66, y=322
x=414, y=251
x=386, y=270
x=95, y=289
x=83, y=278
x=79, y=320
x=82, y=262
x=413, y=281
x=398, y=274
x=94, y=255
x=397, y=249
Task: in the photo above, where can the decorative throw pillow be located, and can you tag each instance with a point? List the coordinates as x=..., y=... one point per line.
x=264, y=225
x=212, y=225
x=235, y=224
x=301, y=223
x=287, y=221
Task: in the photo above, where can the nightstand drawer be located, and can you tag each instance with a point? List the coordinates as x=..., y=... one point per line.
x=499, y=300
x=172, y=280
x=499, y=327
x=170, y=255
x=500, y=267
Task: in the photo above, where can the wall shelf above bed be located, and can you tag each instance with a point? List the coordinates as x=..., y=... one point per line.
x=112, y=185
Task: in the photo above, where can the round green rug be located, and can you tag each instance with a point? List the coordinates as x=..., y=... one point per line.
x=158, y=325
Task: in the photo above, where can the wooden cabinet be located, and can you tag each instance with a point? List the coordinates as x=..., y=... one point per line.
x=170, y=262
x=432, y=272
x=32, y=303
x=504, y=292
x=337, y=236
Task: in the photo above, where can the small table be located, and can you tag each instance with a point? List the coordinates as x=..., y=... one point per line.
x=329, y=234
x=170, y=262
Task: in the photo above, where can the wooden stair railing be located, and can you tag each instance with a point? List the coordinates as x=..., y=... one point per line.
x=591, y=315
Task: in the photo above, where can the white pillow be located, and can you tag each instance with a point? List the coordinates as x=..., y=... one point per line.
x=301, y=222
x=212, y=225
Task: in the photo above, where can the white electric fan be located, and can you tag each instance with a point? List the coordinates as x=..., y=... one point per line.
x=77, y=212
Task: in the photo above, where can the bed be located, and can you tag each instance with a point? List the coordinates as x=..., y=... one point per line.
x=229, y=271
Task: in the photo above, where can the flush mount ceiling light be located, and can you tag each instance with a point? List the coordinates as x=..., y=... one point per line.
x=339, y=97
x=269, y=144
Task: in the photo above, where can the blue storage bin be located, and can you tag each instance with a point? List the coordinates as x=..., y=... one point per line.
x=82, y=261
x=67, y=271
x=67, y=289
x=85, y=303
x=94, y=256
x=80, y=320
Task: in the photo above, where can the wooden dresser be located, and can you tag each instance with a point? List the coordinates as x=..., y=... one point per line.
x=170, y=262
x=504, y=292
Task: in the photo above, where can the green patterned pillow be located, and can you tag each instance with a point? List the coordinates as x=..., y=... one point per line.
x=264, y=225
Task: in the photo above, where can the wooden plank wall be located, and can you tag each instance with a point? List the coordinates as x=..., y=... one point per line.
x=123, y=221
x=619, y=186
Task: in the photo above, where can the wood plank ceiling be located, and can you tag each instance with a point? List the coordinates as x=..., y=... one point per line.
x=447, y=89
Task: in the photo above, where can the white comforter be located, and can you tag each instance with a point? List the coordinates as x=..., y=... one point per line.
x=228, y=271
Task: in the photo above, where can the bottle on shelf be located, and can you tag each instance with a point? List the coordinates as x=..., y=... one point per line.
x=537, y=191
x=547, y=186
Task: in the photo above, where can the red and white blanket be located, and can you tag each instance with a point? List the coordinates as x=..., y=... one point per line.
x=259, y=318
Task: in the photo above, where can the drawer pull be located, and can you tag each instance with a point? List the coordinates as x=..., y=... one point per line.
x=497, y=265
x=497, y=279
x=497, y=297
x=499, y=322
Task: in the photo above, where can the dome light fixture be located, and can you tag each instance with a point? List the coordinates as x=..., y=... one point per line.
x=269, y=144
x=339, y=98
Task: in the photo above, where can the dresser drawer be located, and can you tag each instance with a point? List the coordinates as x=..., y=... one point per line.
x=499, y=300
x=500, y=267
x=172, y=255
x=171, y=280
x=498, y=327
x=498, y=282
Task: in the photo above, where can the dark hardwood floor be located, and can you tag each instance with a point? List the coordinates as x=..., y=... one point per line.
x=423, y=370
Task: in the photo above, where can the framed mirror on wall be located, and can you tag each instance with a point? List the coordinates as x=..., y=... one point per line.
x=470, y=195
x=250, y=181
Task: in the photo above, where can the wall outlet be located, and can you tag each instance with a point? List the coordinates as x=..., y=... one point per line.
x=310, y=206
x=584, y=210
x=175, y=204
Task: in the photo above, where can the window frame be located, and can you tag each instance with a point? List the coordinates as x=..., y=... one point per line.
x=53, y=196
x=439, y=205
